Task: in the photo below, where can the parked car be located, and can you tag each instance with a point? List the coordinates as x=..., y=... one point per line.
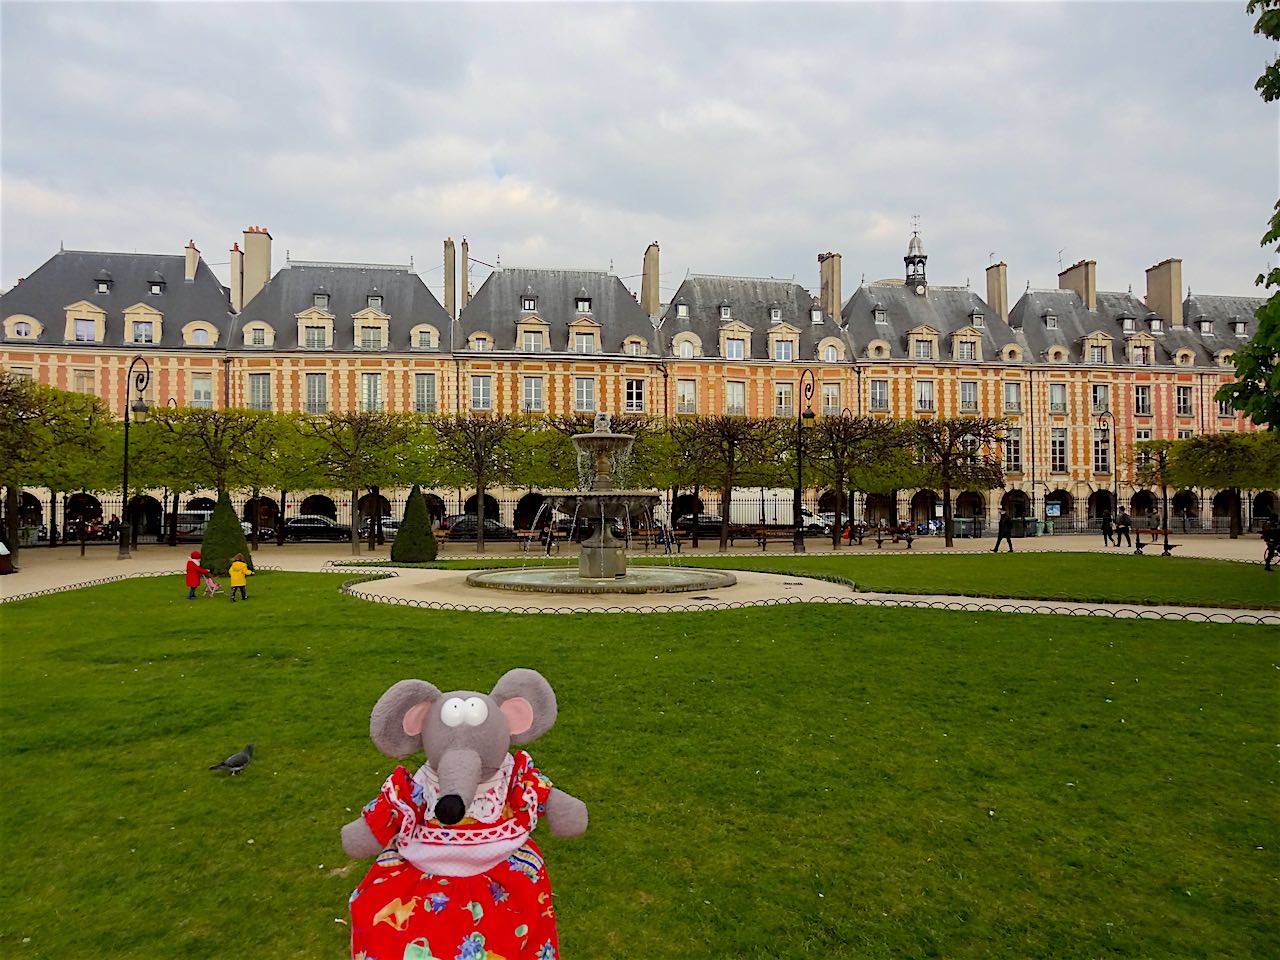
x=390, y=526
x=463, y=526
x=315, y=528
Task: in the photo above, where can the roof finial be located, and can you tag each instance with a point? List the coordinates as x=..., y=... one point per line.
x=1060, y=259
x=915, y=223
x=991, y=258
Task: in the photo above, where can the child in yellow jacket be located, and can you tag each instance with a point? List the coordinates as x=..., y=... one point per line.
x=239, y=571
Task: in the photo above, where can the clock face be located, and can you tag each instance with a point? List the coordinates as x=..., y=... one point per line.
x=920, y=288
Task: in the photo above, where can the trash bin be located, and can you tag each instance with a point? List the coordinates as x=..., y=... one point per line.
x=1048, y=528
x=28, y=536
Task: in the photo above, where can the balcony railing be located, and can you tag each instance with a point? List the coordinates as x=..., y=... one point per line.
x=968, y=406
x=735, y=410
x=1057, y=408
x=686, y=406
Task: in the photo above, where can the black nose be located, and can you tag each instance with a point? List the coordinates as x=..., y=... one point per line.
x=450, y=809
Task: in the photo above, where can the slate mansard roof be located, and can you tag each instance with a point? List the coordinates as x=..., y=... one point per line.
x=750, y=301
x=292, y=290
x=496, y=308
x=945, y=309
x=71, y=276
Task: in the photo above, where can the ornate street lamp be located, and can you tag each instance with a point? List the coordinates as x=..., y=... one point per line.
x=802, y=419
x=173, y=517
x=1109, y=430
x=139, y=406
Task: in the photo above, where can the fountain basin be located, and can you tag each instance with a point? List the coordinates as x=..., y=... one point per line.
x=635, y=580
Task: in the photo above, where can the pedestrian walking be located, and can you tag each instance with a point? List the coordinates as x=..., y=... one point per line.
x=1123, y=523
x=194, y=573
x=239, y=573
x=1004, y=532
x=1271, y=537
x=1107, y=529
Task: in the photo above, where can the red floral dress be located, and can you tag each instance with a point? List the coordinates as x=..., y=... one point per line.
x=477, y=890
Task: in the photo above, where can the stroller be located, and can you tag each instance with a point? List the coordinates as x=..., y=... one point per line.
x=211, y=586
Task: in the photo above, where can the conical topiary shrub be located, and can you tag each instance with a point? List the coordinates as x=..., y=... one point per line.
x=223, y=539
x=415, y=543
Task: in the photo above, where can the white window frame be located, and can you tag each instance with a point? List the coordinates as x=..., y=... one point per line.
x=686, y=396
x=534, y=394
x=259, y=389
x=924, y=394
x=481, y=391
x=1099, y=391
x=584, y=394
x=1142, y=400
x=966, y=350
x=1058, y=449
x=1013, y=450
x=424, y=393
x=317, y=400
x=1013, y=396
x=923, y=349
x=784, y=399
x=370, y=392
x=735, y=348
x=313, y=337
x=682, y=311
x=144, y=326
x=880, y=402
x=202, y=391
x=831, y=399
x=584, y=341
x=1101, y=451
x=1056, y=391
x=783, y=350
x=968, y=396
x=1182, y=393
x=533, y=341
x=634, y=398
x=86, y=331
x=735, y=398
x=1225, y=409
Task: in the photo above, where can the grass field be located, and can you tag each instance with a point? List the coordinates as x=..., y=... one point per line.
x=781, y=782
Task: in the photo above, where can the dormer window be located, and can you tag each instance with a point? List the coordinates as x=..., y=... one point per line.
x=22, y=329
x=104, y=286
x=682, y=311
x=102, y=282
x=725, y=312
x=815, y=315
x=1157, y=326
x=1206, y=327
x=1241, y=328
x=584, y=342
x=775, y=314
x=258, y=337
x=978, y=320
x=924, y=350
x=528, y=304
x=880, y=315
x=584, y=305
x=144, y=331
x=1050, y=321
x=375, y=302
x=734, y=347
x=782, y=350
x=157, y=288
x=686, y=350
x=320, y=301
x=425, y=340
x=1142, y=356
x=1128, y=324
x=200, y=335
x=86, y=331
x=370, y=338
x=966, y=350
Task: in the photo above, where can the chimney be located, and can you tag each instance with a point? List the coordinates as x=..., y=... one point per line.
x=257, y=261
x=450, y=279
x=1082, y=277
x=466, y=274
x=829, y=278
x=998, y=289
x=237, y=277
x=193, y=260
x=650, y=298
x=1164, y=290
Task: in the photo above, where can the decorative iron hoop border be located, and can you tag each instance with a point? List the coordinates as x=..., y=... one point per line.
x=66, y=587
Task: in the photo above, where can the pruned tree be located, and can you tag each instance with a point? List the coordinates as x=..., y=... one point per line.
x=1228, y=461
x=479, y=449
x=1153, y=467
x=958, y=452
x=843, y=446
x=220, y=450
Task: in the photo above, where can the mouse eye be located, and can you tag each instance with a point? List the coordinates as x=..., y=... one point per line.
x=476, y=711
x=454, y=712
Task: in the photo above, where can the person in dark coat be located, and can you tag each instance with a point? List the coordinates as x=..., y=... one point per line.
x=1123, y=523
x=1004, y=532
x=1271, y=537
x=1106, y=529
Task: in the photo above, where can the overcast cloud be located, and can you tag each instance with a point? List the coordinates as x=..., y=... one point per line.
x=746, y=138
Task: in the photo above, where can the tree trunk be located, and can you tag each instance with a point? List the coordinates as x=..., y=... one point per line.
x=355, y=523
x=254, y=514
x=373, y=520
x=480, y=487
x=280, y=520
x=697, y=512
x=946, y=513
x=1236, y=524
x=11, y=500
x=836, y=526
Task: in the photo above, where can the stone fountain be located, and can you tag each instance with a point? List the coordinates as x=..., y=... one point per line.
x=602, y=566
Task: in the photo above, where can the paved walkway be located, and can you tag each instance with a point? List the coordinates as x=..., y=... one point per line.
x=43, y=569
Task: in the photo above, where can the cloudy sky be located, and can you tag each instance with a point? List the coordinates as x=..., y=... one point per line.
x=745, y=137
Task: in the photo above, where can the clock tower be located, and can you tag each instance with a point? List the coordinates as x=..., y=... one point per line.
x=915, y=261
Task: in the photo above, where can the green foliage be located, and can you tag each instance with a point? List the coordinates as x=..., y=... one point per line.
x=479, y=450
x=724, y=452
x=415, y=542
x=223, y=539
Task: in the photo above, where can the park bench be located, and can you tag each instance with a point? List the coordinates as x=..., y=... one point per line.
x=885, y=533
x=1155, y=535
x=763, y=535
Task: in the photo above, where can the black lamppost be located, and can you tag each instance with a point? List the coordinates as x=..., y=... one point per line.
x=1109, y=430
x=139, y=406
x=807, y=381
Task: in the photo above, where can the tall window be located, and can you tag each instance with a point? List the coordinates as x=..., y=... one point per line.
x=258, y=337
x=317, y=392
x=968, y=396
x=86, y=331
x=686, y=350
x=370, y=338
x=1225, y=409
x=584, y=394
x=966, y=350
x=1101, y=451
x=1100, y=396
x=202, y=391
x=686, y=396
x=782, y=349
x=424, y=392
x=734, y=348
x=784, y=399
x=635, y=396
x=370, y=392
x=924, y=350
x=1184, y=401
x=1058, y=450
x=481, y=392
x=1057, y=398
x=735, y=398
x=831, y=353
x=1097, y=354
x=313, y=338
x=533, y=342
x=584, y=342
x=1141, y=356
x=924, y=394
x=1013, y=396
x=1142, y=400
x=879, y=394
x=144, y=331
x=830, y=399
x=82, y=381
x=533, y=396
x=260, y=391
x=1013, y=450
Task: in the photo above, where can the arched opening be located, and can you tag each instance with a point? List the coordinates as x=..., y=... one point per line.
x=923, y=506
x=1101, y=504
x=970, y=515
x=882, y=510
x=1143, y=504
x=1221, y=508
x=1059, y=510
x=261, y=512
x=1016, y=503
x=318, y=505
x=146, y=516
x=30, y=510
x=827, y=503
x=368, y=505
x=527, y=509
x=1266, y=506
x=435, y=507
x=1184, y=511
x=685, y=505
x=86, y=509
x=490, y=507
x=200, y=505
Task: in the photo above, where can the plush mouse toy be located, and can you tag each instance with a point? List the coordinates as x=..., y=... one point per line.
x=457, y=876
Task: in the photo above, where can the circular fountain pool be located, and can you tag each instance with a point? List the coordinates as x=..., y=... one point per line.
x=635, y=580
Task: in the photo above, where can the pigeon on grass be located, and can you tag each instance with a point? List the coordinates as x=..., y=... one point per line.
x=236, y=762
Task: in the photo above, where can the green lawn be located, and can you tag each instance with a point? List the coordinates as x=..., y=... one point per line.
x=807, y=781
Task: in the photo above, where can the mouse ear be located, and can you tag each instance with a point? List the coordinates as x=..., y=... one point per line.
x=528, y=703
x=395, y=726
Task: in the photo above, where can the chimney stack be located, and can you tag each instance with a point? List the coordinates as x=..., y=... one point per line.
x=650, y=298
x=237, y=277
x=829, y=278
x=466, y=274
x=1164, y=290
x=450, y=279
x=257, y=261
x=193, y=260
x=1082, y=277
x=998, y=289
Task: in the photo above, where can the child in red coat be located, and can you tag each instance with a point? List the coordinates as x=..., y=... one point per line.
x=194, y=573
